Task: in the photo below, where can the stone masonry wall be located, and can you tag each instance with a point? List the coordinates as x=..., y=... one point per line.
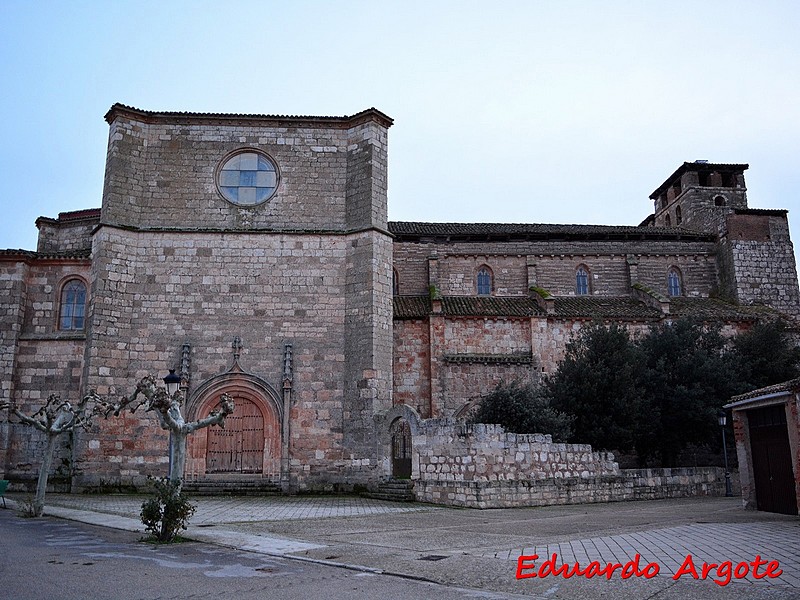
x=154, y=291
x=368, y=295
x=464, y=383
x=630, y=484
x=457, y=275
x=412, y=365
x=38, y=358
x=65, y=236
x=163, y=173
x=551, y=266
x=445, y=450
x=763, y=269
x=483, y=466
x=443, y=364
x=13, y=297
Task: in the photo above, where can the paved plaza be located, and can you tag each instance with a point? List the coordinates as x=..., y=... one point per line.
x=480, y=549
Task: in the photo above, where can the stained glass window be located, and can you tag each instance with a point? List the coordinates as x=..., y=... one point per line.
x=674, y=282
x=72, y=315
x=248, y=178
x=581, y=282
x=484, y=282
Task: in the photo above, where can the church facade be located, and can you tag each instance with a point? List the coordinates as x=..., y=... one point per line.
x=253, y=254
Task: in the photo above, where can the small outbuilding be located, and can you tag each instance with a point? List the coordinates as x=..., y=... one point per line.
x=767, y=430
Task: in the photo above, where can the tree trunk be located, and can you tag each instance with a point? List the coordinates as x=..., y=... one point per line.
x=44, y=471
x=178, y=458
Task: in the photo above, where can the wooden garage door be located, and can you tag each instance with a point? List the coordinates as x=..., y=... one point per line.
x=239, y=447
x=772, y=460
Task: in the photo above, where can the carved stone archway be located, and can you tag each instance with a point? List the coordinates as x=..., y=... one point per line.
x=252, y=442
x=395, y=431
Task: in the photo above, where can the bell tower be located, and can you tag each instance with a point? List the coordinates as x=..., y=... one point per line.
x=700, y=195
x=755, y=256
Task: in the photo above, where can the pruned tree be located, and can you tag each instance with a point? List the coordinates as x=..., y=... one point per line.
x=168, y=410
x=59, y=416
x=56, y=417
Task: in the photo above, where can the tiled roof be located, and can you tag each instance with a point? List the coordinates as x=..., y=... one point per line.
x=488, y=359
x=31, y=255
x=537, y=231
x=772, y=212
x=605, y=307
x=715, y=309
x=579, y=307
x=411, y=307
x=205, y=116
x=786, y=386
x=489, y=306
x=76, y=215
x=696, y=166
x=418, y=307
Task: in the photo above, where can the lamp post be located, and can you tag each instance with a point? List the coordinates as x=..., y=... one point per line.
x=722, y=419
x=172, y=382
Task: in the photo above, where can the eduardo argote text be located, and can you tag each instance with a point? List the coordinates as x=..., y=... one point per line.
x=720, y=573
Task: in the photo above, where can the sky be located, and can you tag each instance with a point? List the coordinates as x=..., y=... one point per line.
x=544, y=112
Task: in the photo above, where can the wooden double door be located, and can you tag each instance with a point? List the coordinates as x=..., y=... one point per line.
x=239, y=447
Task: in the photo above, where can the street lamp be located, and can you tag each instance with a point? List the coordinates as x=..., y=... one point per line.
x=722, y=419
x=172, y=382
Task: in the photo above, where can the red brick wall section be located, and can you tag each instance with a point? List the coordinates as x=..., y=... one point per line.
x=412, y=377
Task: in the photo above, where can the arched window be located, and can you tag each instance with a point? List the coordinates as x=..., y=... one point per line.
x=72, y=311
x=674, y=287
x=395, y=283
x=678, y=215
x=667, y=221
x=719, y=201
x=582, y=281
x=483, y=281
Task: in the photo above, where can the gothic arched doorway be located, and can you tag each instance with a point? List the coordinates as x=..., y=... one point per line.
x=250, y=442
x=401, y=449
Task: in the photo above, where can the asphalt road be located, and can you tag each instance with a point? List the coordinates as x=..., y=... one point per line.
x=50, y=558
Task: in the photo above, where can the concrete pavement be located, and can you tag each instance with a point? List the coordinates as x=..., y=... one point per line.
x=480, y=549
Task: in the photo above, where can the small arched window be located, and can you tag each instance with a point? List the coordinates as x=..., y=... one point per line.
x=667, y=221
x=72, y=310
x=395, y=283
x=582, y=281
x=483, y=281
x=674, y=287
x=678, y=215
x=719, y=201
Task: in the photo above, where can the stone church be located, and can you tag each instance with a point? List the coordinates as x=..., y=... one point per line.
x=252, y=254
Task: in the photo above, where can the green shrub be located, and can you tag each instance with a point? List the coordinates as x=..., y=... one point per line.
x=167, y=513
x=522, y=408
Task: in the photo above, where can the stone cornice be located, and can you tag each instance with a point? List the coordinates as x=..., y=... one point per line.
x=186, y=118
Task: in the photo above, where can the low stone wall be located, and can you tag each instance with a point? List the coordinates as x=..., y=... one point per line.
x=633, y=484
x=483, y=466
x=449, y=450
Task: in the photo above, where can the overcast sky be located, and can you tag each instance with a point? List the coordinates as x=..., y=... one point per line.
x=551, y=112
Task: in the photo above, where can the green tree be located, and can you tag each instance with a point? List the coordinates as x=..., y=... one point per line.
x=687, y=377
x=765, y=355
x=598, y=382
x=521, y=408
